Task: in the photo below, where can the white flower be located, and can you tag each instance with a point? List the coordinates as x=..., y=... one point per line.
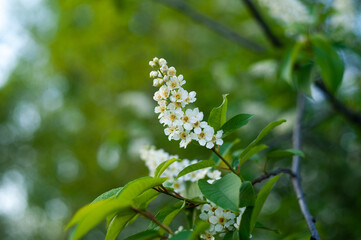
x=157, y=82
x=216, y=139
x=185, y=137
x=171, y=71
x=172, y=117
x=164, y=69
x=191, y=98
x=180, y=80
x=164, y=92
x=152, y=64
x=162, y=61
x=161, y=108
x=178, y=95
x=205, y=135
x=157, y=96
x=173, y=83
x=188, y=119
x=153, y=74
x=171, y=132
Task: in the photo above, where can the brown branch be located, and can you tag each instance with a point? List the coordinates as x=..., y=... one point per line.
x=150, y=216
x=213, y=25
x=338, y=106
x=262, y=23
x=274, y=173
x=190, y=203
x=296, y=164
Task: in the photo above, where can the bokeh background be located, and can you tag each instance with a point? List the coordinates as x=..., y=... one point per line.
x=76, y=106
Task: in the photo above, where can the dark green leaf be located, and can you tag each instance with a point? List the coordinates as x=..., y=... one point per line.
x=200, y=228
x=261, y=226
x=195, y=167
x=223, y=192
x=235, y=123
x=260, y=136
x=329, y=62
x=304, y=78
x=285, y=153
x=245, y=228
x=247, y=196
x=183, y=235
x=228, y=236
x=286, y=67
x=261, y=199
x=217, y=117
x=252, y=151
x=146, y=235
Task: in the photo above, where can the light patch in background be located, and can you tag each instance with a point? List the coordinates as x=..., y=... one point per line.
x=56, y=209
x=27, y=117
x=67, y=167
x=109, y=155
x=135, y=146
x=13, y=194
x=52, y=99
x=138, y=102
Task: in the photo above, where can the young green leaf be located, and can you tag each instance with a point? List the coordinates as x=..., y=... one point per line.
x=200, y=228
x=260, y=136
x=329, y=62
x=109, y=194
x=252, y=151
x=146, y=235
x=261, y=199
x=217, y=117
x=223, y=192
x=304, y=78
x=195, y=167
x=164, y=165
x=247, y=196
x=234, y=123
x=289, y=61
x=117, y=224
x=285, y=153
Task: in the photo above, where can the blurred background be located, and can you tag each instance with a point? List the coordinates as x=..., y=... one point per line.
x=76, y=106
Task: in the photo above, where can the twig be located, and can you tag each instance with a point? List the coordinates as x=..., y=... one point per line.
x=225, y=161
x=338, y=106
x=190, y=203
x=150, y=216
x=274, y=173
x=296, y=163
x=266, y=29
x=213, y=25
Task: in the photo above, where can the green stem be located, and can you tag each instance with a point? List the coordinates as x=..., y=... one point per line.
x=225, y=161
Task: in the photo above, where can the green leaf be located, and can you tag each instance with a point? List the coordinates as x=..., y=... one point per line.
x=235, y=123
x=200, y=228
x=183, y=235
x=195, y=167
x=138, y=186
x=166, y=216
x=142, y=201
x=146, y=235
x=224, y=149
x=285, y=153
x=223, y=192
x=217, y=117
x=245, y=228
x=289, y=61
x=260, y=136
x=164, y=165
x=252, y=151
x=228, y=236
x=329, y=62
x=304, y=78
x=99, y=213
x=109, y=194
x=247, y=196
x=261, y=199
x=117, y=224
x=261, y=226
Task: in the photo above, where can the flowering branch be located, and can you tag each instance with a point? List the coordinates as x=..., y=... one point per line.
x=266, y=29
x=274, y=173
x=217, y=27
x=150, y=216
x=296, y=163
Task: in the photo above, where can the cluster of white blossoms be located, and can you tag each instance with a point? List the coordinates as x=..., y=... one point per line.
x=221, y=220
x=181, y=123
x=344, y=20
x=153, y=157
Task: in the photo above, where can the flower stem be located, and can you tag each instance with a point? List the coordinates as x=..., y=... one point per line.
x=225, y=161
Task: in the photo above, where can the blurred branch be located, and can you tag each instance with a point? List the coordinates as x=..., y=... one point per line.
x=274, y=173
x=262, y=23
x=212, y=24
x=338, y=106
x=296, y=164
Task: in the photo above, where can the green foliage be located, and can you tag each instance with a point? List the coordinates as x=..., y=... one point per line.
x=260, y=136
x=234, y=123
x=247, y=197
x=183, y=235
x=223, y=192
x=288, y=62
x=111, y=193
x=329, y=62
x=285, y=153
x=261, y=199
x=217, y=117
x=252, y=151
x=164, y=165
x=195, y=167
x=146, y=235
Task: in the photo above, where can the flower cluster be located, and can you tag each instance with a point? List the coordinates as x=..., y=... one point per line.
x=153, y=157
x=181, y=123
x=221, y=220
